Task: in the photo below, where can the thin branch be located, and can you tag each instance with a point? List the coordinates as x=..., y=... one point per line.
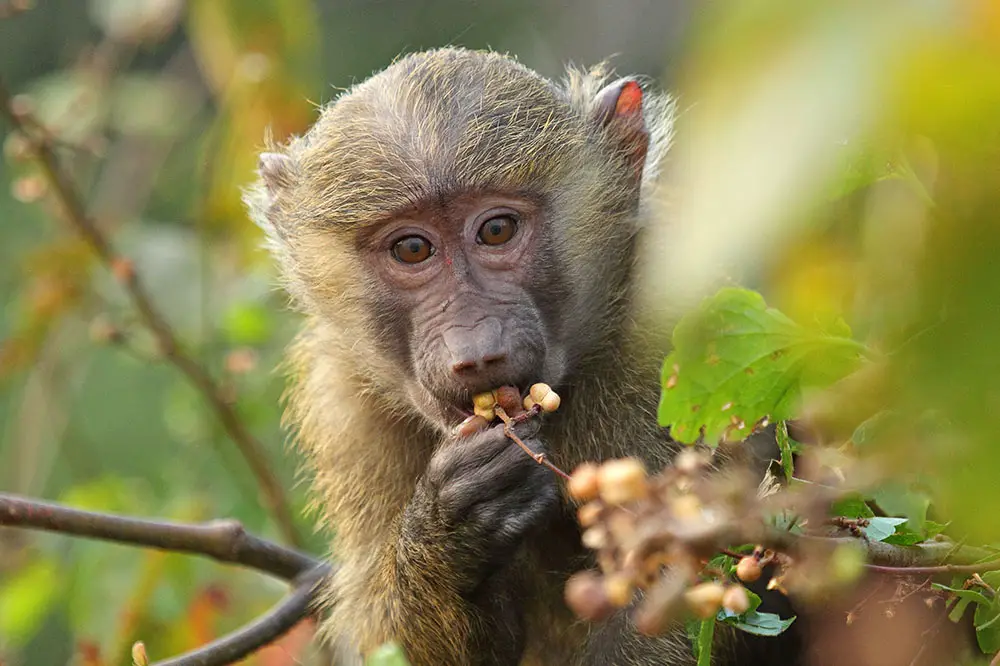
x=267, y=628
x=253, y=452
x=222, y=540
x=539, y=458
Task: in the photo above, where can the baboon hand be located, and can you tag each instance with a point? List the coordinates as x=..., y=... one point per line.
x=480, y=496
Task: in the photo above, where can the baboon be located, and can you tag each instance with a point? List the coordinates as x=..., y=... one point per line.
x=453, y=224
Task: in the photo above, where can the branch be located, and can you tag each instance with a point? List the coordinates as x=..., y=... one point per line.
x=76, y=214
x=267, y=628
x=223, y=540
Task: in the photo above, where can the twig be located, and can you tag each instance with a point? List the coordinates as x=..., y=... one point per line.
x=539, y=458
x=251, y=449
x=224, y=540
x=995, y=661
x=265, y=629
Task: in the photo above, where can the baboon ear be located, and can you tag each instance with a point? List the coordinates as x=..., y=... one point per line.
x=618, y=108
x=277, y=170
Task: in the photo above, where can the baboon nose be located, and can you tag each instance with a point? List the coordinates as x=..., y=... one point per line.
x=467, y=366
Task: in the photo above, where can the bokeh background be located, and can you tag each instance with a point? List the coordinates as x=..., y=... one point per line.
x=839, y=155
x=166, y=104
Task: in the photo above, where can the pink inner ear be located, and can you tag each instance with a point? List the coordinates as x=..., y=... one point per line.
x=629, y=99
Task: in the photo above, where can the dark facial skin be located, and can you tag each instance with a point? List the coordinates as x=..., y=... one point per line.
x=460, y=274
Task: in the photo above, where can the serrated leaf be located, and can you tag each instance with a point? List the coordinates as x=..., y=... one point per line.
x=880, y=528
x=736, y=361
x=389, y=654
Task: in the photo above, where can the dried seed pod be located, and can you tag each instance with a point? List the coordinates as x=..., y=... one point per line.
x=748, y=569
x=736, y=600
x=482, y=405
x=622, y=481
x=585, y=595
x=582, y=485
x=705, y=599
x=471, y=426
x=619, y=589
x=509, y=398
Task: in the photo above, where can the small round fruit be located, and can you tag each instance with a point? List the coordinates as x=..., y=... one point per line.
x=582, y=485
x=748, y=569
x=736, y=600
x=528, y=403
x=585, y=595
x=705, y=599
x=471, y=425
x=619, y=588
x=550, y=402
x=539, y=391
x=622, y=481
x=588, y=514
x=509, y=398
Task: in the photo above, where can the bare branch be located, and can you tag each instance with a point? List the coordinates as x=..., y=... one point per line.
x=64, y=189
x=268, y=627
x=222, y=540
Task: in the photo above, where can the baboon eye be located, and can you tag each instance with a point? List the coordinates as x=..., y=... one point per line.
x=412, y=249
x=497, y=230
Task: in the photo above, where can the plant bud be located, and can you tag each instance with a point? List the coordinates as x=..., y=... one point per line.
x=748, y=569
x=582, y=485
x=139, y=656
x=586, y=597
x=736, y=600
x=622, y=481
x=705, y=599
x=471, y=426
x=619, y=588
x=482, y=405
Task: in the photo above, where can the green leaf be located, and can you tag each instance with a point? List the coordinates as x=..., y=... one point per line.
x=852, y=505
x=898, y=499
x=389, y=654
x=987, y=627
x=26, y=598
x=880, y=528
x=736, y=361
x=761, y=624
x=962, y=600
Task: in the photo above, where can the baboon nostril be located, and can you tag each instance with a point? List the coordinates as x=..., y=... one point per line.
x=494, y=358
x=463, y=366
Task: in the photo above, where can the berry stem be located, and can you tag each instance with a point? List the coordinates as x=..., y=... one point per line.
x=509, y=422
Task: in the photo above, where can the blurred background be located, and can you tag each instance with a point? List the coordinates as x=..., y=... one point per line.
x=840, y=156
x=163, y=106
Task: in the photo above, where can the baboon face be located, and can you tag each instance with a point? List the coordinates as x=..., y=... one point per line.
x=462, y=284
x=460, y=223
